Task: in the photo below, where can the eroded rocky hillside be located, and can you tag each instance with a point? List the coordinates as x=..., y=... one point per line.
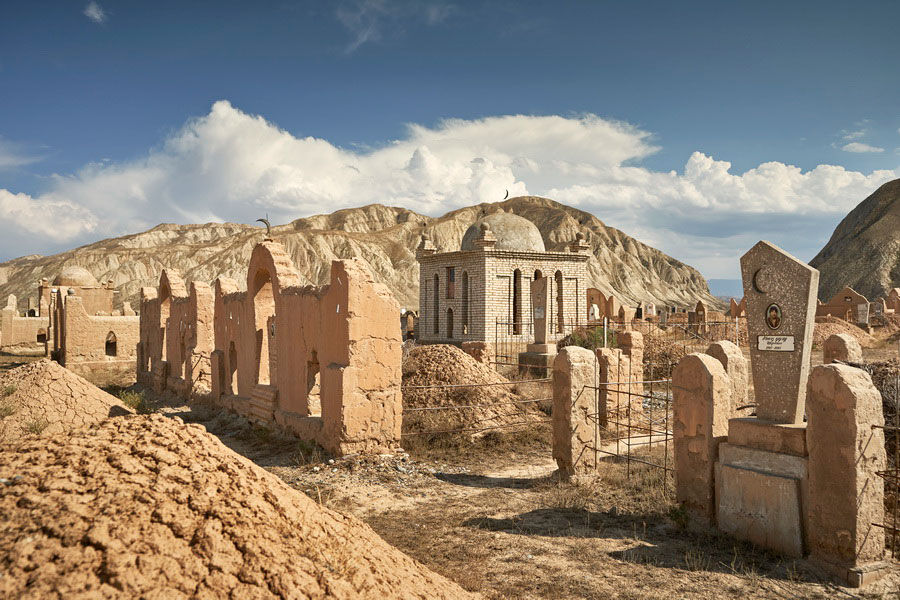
x=864, y=250
x=384, y=237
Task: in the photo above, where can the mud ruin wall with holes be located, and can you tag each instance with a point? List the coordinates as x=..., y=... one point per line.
x=323, y=363
x=176, y=338
x=16, y=329
x=492, y=275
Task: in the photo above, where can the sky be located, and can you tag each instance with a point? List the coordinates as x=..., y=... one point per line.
x=697, y=127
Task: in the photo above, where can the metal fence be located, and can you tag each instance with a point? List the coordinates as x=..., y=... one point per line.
x=688, y=337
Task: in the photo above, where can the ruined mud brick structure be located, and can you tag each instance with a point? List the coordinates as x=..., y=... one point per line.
x=16, y=329
x=75, y=320
x=737, y=309
x=844, y=305
x=591, y=390
x=893, y=300
x=799, y=488
x=464, y=294
x=599, y=306
x=323, y=363
x=176, y=337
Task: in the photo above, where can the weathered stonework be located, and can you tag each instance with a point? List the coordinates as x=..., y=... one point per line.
x=735, y=365
x=575, y=432
x=701, y=407
x=846, y=451
x=842, y=347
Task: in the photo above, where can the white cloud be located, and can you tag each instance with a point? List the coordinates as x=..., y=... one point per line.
x=229, y=165
x=854, y=135
x=94, y=12
x=13, y=155
x=368, y=19
x=859, y=147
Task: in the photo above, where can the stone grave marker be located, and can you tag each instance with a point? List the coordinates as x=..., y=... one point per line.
x=780, y=291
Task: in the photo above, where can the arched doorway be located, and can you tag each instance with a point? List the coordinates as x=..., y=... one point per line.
x=111, y=344
x=263, y=310
x=517, y=302
x=437, y=304
x=313, y=386
x=232, y=369
x=465, y=302
x=560, y=314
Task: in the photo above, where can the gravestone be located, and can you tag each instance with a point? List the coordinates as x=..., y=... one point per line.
x=862, y=314
x=539, y=355
x=780, y=291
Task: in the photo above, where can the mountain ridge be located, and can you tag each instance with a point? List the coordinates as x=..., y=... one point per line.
x=383, y=237
x=864, y=249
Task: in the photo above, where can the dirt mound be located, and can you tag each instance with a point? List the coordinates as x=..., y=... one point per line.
x=43, y=397
x=145, y=506
x=487, y=401
x=828, y=326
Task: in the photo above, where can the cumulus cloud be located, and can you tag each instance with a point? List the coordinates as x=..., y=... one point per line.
x=860, y=147
x=366, y=20
x=94, y=12
x=230, y=165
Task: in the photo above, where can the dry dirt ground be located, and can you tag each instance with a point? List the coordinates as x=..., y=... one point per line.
x=487, y=515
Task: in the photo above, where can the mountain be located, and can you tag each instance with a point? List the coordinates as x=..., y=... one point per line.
x=382, y=236
x=864, y=250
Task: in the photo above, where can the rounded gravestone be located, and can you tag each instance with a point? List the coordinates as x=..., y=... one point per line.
x=512, y=232
x=842, y=347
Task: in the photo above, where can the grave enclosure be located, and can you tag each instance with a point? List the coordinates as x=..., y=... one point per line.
x=802, y=488
x=320, y=362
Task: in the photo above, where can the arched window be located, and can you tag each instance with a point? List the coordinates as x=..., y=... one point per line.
x=560, y=315
x=41, y=335
x=517, y=302
x=111, y=344
x=537, y=274
x=450, y=323
x=465, y=302
x=263, y=309
x=437, y=304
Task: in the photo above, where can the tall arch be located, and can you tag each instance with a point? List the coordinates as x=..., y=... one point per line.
x=437, y=304
x=465, y=302
x=232, y=369
x=263, y=311
x=560, y=314
x=450, y=323
x=517, y=302
x=537, y=274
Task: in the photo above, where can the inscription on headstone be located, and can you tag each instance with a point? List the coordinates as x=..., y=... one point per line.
x=780, y=291
x=862, y=314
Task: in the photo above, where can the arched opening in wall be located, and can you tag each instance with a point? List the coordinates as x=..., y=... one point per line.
x=32, y=312
x=313, y=386
x=165, y=306
x=537, y=274
x=232, y=369
x=111, y=344
x=560, y=315
x=437, y=304
x=263, y=309
x=450, y=323
x=517, y=302
x=465, y=303
x=41, y=336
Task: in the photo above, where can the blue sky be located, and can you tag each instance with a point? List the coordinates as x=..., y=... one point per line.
x=696, y=127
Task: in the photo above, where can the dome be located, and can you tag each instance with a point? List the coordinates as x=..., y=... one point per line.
x=76, y=277
x=512, y=232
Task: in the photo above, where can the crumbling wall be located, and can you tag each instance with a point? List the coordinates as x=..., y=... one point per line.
x=102, y=349
x=15, y=329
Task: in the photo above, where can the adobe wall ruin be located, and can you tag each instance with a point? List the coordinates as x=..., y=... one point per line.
x=176, y=337
x=16, y=329
x=323, y=363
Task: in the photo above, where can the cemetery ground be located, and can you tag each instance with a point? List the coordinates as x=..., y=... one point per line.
x=488, y=515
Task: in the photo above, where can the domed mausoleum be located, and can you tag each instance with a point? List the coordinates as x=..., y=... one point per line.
x=483, y=290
